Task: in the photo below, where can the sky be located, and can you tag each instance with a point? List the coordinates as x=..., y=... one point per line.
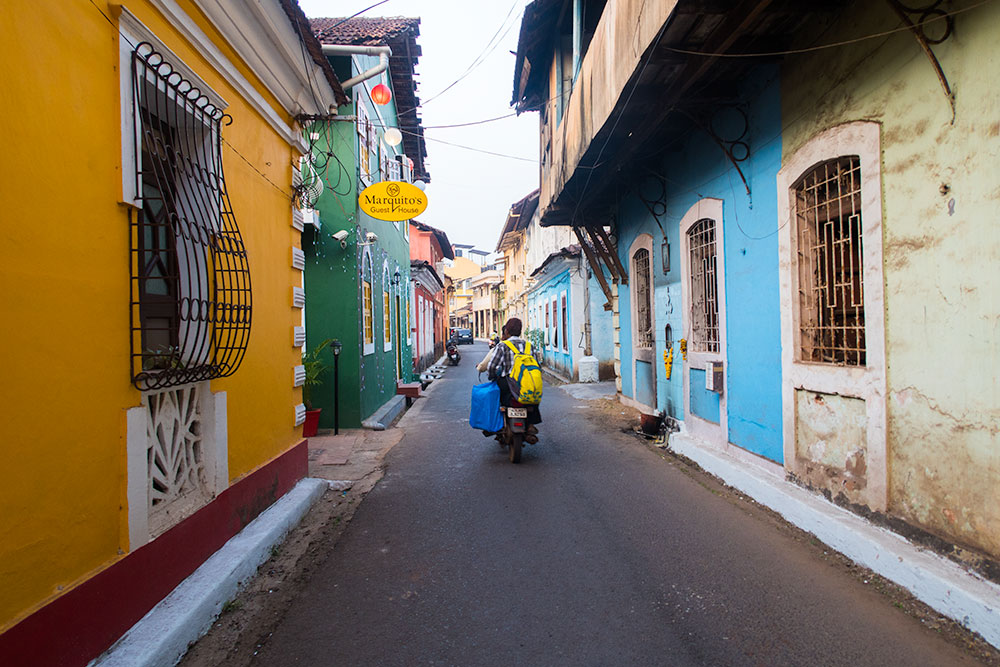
x=470, y=191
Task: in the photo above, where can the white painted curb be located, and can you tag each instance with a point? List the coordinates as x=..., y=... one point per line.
x=938, y=582
x=162, y=636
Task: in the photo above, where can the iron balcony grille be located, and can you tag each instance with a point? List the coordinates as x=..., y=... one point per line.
x=190, y=297
x=643, y=300
x=704, y=287
x=831, y=280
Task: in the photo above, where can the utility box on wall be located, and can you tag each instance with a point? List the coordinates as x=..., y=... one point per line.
x=713, y=376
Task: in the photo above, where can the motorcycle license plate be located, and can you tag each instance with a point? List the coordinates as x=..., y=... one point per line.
x=517, y=413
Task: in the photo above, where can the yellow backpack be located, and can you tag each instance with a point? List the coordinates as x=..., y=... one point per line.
x=525, y=375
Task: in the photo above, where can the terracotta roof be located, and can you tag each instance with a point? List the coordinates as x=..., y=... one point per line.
x=362, y=30
x=301, y=25
x=399, y=34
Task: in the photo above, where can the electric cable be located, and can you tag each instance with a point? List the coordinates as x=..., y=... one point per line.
x=471, y=148
x=943, y=16
x=491, y=45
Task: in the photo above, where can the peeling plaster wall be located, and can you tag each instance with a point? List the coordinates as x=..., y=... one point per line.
x=831, y=443
x=941, y=246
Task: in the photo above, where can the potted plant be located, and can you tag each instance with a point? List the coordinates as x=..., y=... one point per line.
x=537, y=339
x=315, y=368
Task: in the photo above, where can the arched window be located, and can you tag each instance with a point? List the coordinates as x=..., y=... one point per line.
x=565, y=337
x=190, y=297
x=643, y=335
x=386, y=310
x=367, y=307
x=704, y=287
x=827, y=202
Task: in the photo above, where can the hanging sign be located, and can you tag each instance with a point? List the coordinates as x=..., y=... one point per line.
x=392, y=201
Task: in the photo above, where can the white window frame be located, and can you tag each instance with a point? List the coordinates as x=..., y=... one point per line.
x=715, y=434
x=564, y=320
x=861, y=138
x=642, y=241
x=410, y=312
x=386, y=309
x=213, y=406
x=366, y=260
x=132, y=32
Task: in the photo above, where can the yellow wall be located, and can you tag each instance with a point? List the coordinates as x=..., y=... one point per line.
x=462, y=268
x=64, y=292
x=941, y=250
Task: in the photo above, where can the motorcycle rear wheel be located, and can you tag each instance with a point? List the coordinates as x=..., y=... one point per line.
x=514, y=447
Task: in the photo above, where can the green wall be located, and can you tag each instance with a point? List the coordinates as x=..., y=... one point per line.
x=333, y=275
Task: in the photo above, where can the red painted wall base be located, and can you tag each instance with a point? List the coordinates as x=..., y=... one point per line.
x=75, y=628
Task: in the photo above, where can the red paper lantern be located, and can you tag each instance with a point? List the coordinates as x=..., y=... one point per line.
x=381, y=94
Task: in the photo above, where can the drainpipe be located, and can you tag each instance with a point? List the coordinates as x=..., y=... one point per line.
x=577, y=37
x=587, y=342
x=383, y=53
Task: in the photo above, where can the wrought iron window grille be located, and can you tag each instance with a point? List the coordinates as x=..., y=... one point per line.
x=190, y=306
x=830, y=256
x=643, y=299
x=704, y=286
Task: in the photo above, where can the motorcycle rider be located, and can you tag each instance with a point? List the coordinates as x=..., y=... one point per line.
x=498, y=363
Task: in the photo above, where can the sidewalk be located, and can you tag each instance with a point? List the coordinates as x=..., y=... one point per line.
x=342, y=469
x=353, y=457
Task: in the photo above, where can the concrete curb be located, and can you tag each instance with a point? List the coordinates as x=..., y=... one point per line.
x=386, y=414
x=162, y=636
x=934, y=580
x=418, y=405
x=558, y=377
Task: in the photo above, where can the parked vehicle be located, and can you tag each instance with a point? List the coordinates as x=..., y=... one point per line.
x=453, y=355
x=462, y=336
x=516, y=430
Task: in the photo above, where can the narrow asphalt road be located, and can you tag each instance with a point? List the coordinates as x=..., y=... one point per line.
x=592, y=551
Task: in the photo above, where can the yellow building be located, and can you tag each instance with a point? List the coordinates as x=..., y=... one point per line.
x=460, y=294
x=151, y=296
x=513, y=245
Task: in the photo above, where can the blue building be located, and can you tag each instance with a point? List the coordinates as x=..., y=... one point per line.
x=776, y=207
x=698, y=235
x=666, y=174
x=566, y=320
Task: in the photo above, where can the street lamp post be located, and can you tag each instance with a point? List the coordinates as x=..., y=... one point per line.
x=336, y=345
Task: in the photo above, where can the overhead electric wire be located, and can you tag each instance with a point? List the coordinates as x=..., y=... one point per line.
x=356, y=14
x=487, y=50
x=491, y=45
x=470, y=148
x=943, y=16
x=621, y=113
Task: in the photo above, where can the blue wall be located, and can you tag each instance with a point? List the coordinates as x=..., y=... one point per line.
x=696, y=169
x=602, y=334
x=704, y=403
x=554, y=288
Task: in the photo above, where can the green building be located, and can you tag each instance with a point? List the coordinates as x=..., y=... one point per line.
x=357, y=281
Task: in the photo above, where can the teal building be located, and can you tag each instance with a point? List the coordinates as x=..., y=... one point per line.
x=357, y=276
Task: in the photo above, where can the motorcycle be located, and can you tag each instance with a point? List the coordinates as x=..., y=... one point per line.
x=516, y=429
x=453, y=355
